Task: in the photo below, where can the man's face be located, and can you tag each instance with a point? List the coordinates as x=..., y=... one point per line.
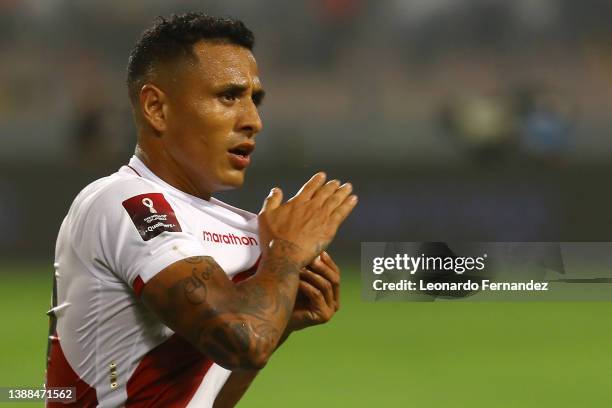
x=211, y=116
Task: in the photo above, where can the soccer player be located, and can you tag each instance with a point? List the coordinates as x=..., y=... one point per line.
x=165, y=296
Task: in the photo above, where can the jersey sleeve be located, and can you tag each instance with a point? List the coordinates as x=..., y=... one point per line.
x=134, y=232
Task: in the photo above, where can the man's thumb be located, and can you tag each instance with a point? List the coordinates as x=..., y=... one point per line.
x=273, y=200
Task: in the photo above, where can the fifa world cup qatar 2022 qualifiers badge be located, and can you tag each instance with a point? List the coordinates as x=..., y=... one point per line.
x=151, y=214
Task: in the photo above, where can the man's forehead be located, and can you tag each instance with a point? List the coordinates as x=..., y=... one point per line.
x=219, y=62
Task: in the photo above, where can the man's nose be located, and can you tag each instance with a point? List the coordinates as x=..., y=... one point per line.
x=250, y=122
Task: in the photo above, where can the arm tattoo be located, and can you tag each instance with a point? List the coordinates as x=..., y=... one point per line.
x=194, y=286
x=195, y=259
x=230, y=343
x=250, y=324
x=284, y=272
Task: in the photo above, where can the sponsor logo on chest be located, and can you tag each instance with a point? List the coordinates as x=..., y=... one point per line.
x=229, y=238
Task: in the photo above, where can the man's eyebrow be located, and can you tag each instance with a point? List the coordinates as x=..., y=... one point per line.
x=234, y=89
x=240, y=89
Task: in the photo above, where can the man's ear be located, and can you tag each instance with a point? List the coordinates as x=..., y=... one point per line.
x=153, y=104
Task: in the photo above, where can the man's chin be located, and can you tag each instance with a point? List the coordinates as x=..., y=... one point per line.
x=232, y=181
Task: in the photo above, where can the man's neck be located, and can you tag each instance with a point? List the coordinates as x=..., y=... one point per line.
x=164, y=167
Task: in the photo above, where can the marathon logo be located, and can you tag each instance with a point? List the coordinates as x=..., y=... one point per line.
x=230, y=239
x=151, y=215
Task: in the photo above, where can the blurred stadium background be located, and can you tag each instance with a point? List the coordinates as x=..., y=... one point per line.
x=480, y=120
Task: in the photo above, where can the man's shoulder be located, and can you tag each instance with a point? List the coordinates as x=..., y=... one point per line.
x=108, y=191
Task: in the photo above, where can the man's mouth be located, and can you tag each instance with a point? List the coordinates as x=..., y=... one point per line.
x=240, y=155
x=244, y=149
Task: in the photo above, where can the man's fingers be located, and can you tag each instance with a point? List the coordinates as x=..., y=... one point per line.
x=327, y=259
x=321, y=284
x=344, y=209
x=273, y=200
x=323, y=314
x=321, y=266
x=310, y=187
x=327, y=190
x=312, y=293
x=338, y=197
x=326, y=267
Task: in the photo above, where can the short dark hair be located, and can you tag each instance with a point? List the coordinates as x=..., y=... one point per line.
x=174, y=38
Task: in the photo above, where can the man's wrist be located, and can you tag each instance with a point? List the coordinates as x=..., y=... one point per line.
x=280, y=248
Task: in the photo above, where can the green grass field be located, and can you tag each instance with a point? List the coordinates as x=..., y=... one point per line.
x=440, y=354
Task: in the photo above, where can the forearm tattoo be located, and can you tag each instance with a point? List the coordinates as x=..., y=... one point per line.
x=232, y=331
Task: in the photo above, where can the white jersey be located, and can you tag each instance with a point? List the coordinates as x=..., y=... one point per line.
x=120, y=232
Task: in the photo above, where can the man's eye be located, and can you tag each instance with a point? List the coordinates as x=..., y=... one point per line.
x=228, y=97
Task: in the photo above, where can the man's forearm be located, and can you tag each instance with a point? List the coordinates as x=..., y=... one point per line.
x=270, y=294
x=244, y=327
x=266, y=300
x=236, y=325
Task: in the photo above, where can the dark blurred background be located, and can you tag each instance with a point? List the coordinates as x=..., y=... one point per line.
x=481, y=120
